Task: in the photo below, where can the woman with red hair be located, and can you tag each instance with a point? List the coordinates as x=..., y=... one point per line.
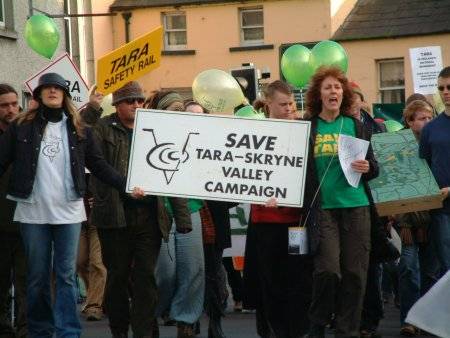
x=343, y=219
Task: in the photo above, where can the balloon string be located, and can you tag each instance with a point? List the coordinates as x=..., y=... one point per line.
x=301, y=100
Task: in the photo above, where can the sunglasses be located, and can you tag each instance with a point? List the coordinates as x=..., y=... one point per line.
x=441, y=88
x=134, y=99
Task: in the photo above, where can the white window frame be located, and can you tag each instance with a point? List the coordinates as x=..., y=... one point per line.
x=166, y=31
x=3, y=20
x=382, y=89
x=241, y=26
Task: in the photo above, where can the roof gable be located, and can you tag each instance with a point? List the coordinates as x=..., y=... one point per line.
x=122, y=5
x=371, y=19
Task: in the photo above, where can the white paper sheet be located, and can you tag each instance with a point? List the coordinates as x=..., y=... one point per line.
x=351, y=149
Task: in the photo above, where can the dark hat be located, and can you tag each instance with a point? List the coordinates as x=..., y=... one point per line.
x=131, y=90
x=51, y=79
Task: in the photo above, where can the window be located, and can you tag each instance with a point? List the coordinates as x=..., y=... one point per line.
x=391, y=82
x=2, y=14
x=175, y=36
x=252, y=26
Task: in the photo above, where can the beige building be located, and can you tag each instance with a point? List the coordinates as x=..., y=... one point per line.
x=204, y=34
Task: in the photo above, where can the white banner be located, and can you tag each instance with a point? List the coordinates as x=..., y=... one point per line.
x=426, y=63
x=66, y=68
x=218, y=157
x=431, y=312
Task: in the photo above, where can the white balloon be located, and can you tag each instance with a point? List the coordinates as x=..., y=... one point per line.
x=217, y=91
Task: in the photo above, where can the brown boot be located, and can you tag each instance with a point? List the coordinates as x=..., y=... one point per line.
x=185, y=330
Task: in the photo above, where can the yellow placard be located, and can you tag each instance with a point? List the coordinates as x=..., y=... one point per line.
x=129, y=62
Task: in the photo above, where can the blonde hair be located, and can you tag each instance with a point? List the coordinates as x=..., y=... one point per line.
x=409, y=114
x=68, y=107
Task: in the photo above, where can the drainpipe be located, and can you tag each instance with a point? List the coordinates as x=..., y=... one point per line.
x=30, y=8
x=126, y=18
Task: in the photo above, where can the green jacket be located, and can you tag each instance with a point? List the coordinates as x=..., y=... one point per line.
x=108, y=210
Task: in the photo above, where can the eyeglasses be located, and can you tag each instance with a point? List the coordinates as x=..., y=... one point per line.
x=7, y=104
x=441, y=88
x=134, y=99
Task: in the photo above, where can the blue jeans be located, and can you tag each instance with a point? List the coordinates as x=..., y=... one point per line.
x=43, y=318
x=440, y=236
x=180, y=275
x=418, y=271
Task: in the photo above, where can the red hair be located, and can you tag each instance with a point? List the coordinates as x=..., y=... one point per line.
x=313, y=100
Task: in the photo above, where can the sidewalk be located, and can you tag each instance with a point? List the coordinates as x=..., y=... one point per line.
x=238, y=325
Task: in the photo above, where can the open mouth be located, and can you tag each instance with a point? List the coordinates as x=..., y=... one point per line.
x=333, y=100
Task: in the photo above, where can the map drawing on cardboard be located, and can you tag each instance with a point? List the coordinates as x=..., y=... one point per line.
x=405, y=182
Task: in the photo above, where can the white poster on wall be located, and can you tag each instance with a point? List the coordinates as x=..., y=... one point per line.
x=426, y=63
x=218, y=157
x=65, y=67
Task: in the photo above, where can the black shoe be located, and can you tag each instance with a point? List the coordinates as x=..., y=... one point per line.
x=197, y=327
x=155, y=329
x=369, y=333
x=316, y=331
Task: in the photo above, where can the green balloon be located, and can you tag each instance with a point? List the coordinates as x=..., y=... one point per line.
x=249, y=111
x=329, y=53
x=393, y=126
x=42, y=35
x=296, y=65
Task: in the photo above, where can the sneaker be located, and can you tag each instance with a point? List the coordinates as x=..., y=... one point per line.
x=93, y=314
x=248, y=311
x=408, y=330
x=237, y=306
x=167, y=321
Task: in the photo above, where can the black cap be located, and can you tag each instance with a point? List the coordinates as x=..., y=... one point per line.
x=51, y=79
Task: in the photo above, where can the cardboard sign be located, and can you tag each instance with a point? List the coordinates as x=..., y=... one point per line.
x=218, y=157
x=129, y=62
x=65, y=67
x=298, y=241
x=426, y=63
x=405, y=182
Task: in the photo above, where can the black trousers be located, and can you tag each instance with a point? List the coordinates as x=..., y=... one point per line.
x=129, y=255
x=216, y=292
x=279, y=284
x=372, y=311
x=12, y=271
x=234, y=279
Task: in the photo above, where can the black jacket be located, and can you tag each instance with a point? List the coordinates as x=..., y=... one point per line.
x=7, y=207
x=20, y=146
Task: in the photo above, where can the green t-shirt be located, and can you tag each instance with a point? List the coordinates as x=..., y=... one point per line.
x=335, y=190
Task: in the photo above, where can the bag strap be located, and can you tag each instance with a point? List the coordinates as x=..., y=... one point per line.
x=321, y=181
